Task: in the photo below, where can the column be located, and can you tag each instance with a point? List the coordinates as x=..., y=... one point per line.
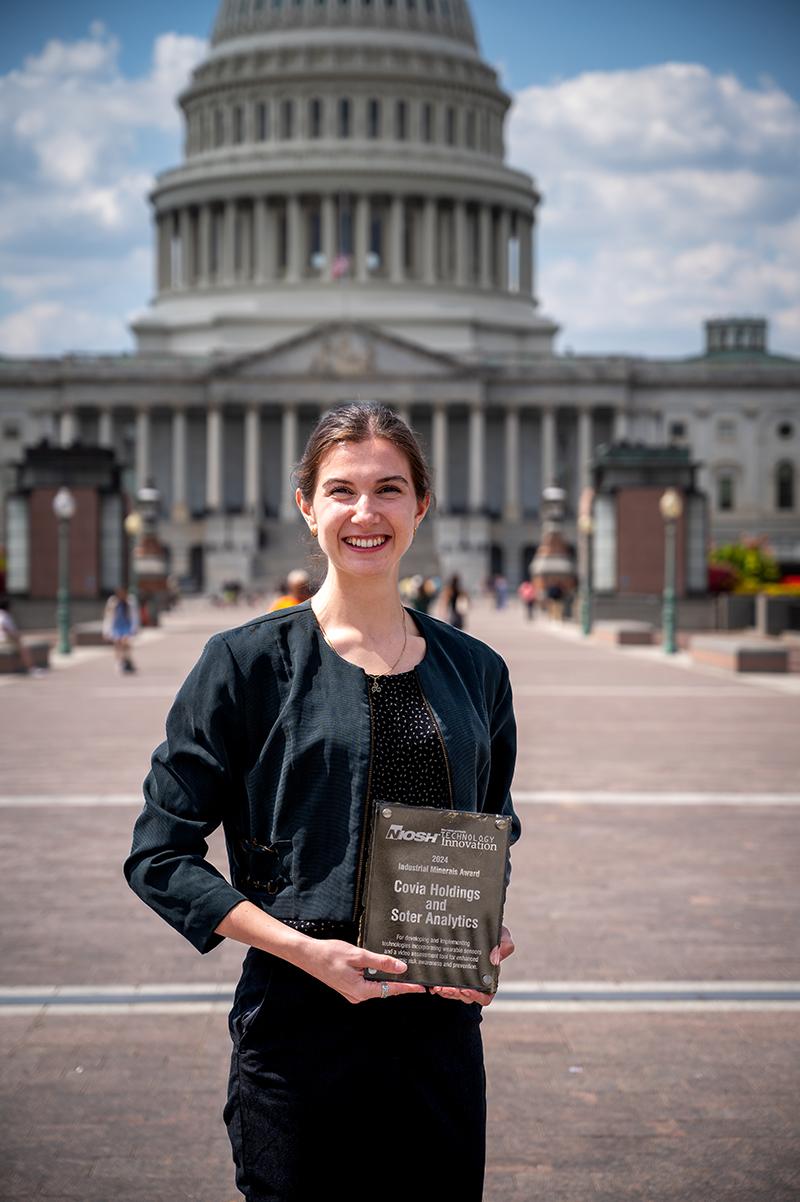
x=503, y=236
x=396, y=240
x=700, y=441
x=485, y=220
x=180, y=508
x=187, y=258
x=361, y=239
x=620, y=424
x=252, y=460
x=294, y=247
x=105, y=428
x=203, y=245
x=439, y=440
x=263, y=236
x=214, y=460
x=477, y=459
x=229, y=243
x=511, y=511
x=460, y=234
x=584, y=448
x=142, y=447
x=429, y=241
x=246, y=218
x=328, y=234
x=163, y=240
x=288, y=459
x=525, y=226
x=548, y=447
x=67, y=427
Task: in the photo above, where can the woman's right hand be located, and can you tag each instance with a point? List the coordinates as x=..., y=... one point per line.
x=341, y=966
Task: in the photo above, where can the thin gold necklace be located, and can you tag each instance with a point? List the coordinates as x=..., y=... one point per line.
x=376, y=680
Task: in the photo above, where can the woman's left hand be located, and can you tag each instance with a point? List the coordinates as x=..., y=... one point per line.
x=497, y=956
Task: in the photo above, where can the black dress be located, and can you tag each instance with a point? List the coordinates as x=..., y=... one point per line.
x=380, y=1099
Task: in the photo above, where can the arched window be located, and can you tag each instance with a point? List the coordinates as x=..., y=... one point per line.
x=344, y=118
x=784, y=485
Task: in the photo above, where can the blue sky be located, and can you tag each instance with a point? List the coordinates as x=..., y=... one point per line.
x=664, y=137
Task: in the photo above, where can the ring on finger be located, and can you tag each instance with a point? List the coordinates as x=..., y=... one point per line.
x=384, y=989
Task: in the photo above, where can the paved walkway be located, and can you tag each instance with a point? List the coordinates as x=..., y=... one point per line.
x=646, y=1043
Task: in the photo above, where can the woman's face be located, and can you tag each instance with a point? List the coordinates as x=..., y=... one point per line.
x=364, y=507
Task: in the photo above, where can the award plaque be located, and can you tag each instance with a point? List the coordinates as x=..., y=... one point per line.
x=434, y=892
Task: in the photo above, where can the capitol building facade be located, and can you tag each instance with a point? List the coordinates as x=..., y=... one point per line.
x=344, y=225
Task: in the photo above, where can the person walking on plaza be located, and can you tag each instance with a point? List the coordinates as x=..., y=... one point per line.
x=120, y=624
x=287, y=731
x=456, y=603
x=527, y=595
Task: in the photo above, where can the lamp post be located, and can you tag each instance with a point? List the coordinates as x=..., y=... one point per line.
x=586, y=528
x=133, y=528
x=64, y=510
x=671, y=506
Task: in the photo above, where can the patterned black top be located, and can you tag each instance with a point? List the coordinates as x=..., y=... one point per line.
x=408, y=764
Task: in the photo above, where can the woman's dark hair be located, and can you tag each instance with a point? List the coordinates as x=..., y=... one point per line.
x=356, y=422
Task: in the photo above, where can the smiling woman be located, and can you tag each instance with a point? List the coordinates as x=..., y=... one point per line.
x=288, y=731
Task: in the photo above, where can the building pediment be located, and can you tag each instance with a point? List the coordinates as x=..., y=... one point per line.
x=341, y=351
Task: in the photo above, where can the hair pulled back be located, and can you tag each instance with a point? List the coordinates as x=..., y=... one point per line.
x=356, y=422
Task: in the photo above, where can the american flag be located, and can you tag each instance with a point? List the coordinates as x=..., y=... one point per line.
x=341, y=267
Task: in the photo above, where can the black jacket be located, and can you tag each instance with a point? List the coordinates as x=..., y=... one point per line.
x=270, y=734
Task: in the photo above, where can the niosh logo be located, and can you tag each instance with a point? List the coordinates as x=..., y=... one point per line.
x=396, y=831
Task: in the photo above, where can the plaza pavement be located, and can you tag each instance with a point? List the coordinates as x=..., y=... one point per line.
x=646, y=1040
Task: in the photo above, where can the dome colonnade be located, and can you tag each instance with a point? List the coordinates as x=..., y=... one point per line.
x=352, y=143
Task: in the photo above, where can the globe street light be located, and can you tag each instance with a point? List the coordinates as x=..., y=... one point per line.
x=64, y=510
x=671, y=506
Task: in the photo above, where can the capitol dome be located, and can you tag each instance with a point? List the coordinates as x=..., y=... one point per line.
x=434, y=18
x=344, y=161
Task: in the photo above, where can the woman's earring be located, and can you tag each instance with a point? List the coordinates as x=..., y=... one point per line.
x=313, y=529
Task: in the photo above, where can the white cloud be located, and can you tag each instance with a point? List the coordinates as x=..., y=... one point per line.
x=671, y=194
x=79, y=142
x=52, y=327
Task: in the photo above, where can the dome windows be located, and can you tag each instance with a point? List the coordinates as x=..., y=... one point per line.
x=344, y=111
x=401, y=120
x=262, y=121
x=315, y=117
x=238, y=124
x=287, y=119
x=373, y=118
x=427, y=122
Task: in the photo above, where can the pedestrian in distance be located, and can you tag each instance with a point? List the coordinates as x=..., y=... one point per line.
x=11, y=637
x=287, y=731
x=120, y=624
x=297, y=589
x=456, y=603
